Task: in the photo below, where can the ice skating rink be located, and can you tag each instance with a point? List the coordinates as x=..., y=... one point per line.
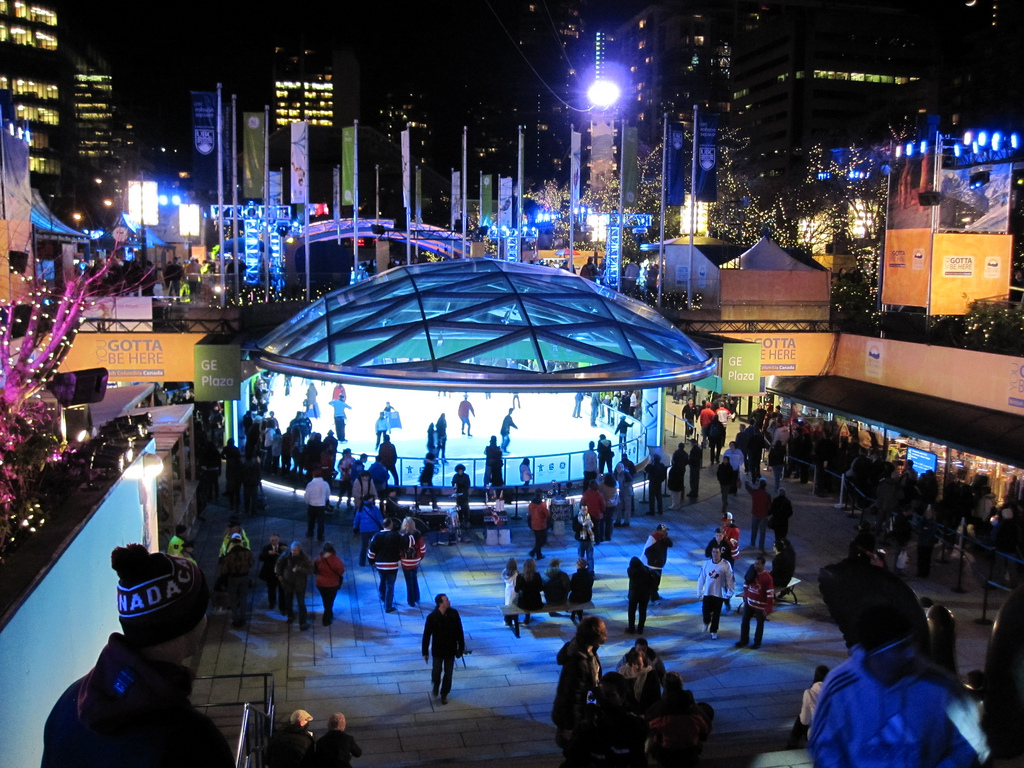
x=547, y=433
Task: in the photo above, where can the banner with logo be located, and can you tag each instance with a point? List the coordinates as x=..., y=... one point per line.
x=254, y=136
x=348, y=165
x=675, y=164
x=706, y=185
x=135, y=356
x=629, y=167
x=905, y=267
x=966, y=267
x=300, y=163
x=204, y=140
x=406, y=164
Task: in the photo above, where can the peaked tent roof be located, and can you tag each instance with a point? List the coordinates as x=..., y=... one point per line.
x=482, y=324
x=766, y=255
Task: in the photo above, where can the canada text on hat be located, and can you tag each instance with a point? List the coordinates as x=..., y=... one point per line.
x=149, y=596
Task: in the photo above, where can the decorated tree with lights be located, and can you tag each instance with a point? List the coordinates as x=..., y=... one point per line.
x=39, y=325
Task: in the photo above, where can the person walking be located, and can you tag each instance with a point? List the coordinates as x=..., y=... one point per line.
x=340, y=417
x=414, y=549
x=578, y=405
x=605, y=454
x=367, y=523
x=381, y=427
x=507, y=425
x=385, y=552
x=677, y=477
x=760, y=509
x=465, y=411
x=427, y=490
x=388, y=456
x=656, y=554
x=318, y=498
x=330, y=575
x=539, y=516
x=441, y=436
x=758, y=600
x=444, y=627
x=580, y=677
x=236, y=565
x=715, y=582
x=624, y=480
x=293, y=570
x=641, y=587
x=589, y=465
x=268, y=559
x=695, y=462
x=509, y=576
x=656, y=475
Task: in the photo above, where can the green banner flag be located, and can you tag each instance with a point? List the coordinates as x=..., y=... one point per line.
x=218, y=372
x=741, y=369
x=486, y=200
x=348, y=165
x=253, y=140
x=629, y=167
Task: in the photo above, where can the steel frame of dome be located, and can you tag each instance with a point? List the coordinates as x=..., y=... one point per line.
x=481, y=324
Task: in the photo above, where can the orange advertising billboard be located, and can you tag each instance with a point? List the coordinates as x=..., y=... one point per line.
x=791, y=354
x=905, y=267
x=966, y=267
x=135, y=356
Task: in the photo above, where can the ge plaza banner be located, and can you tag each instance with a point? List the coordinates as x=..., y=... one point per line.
x=214, y=369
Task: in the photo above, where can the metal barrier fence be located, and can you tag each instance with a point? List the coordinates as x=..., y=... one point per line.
x=257, y=725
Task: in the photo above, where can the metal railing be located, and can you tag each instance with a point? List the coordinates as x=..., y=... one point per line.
x=257, y=723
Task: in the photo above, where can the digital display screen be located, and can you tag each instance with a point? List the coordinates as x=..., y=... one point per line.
x=923, y=460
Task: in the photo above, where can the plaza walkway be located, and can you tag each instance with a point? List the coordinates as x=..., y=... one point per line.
x=368, y=663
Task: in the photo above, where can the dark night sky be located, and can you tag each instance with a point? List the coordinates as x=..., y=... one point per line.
x=161, y=51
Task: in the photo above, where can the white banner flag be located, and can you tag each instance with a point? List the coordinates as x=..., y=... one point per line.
x=300, y=163
x=406, y=192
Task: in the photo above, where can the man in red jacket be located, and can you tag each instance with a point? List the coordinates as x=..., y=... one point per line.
x=758, y=601
x=760, y=509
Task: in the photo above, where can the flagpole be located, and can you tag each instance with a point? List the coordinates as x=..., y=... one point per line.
x=661, y=235
x=355, y=194
x=234, y=187
x=266, y=202
x=693, y=214
x=519, y=199
x=574, y=169
x=220, y=193
x=465, y=192
x=407, y=183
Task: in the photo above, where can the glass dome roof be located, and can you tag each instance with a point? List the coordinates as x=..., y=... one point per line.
x=480, y=324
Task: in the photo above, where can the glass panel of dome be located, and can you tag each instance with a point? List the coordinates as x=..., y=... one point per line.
x=432, y=281
x=638, y=313
x=395, y=314
x=593, y=307
x=411, y=347
x=503, y=312
x=355, y=349
x=291, y=341
x=607, y=339
x=437, y=305
x=558, y=357
x=513, y=353
x=449, y=342
x=351, y=316
x=646, y=349
x=544, y=313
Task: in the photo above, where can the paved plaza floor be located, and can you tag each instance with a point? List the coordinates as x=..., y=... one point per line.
x=368, y=664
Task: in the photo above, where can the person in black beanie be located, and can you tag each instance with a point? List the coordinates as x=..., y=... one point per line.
x=133, y=708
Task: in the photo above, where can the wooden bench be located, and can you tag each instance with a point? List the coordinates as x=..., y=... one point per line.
x=515, y=610
x=788, y=592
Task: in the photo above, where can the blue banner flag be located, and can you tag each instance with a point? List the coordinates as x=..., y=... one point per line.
x=204, y=140
x=675, y=165
x=706, y=185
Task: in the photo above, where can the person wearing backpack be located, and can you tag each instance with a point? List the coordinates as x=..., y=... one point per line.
x=367, y=522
